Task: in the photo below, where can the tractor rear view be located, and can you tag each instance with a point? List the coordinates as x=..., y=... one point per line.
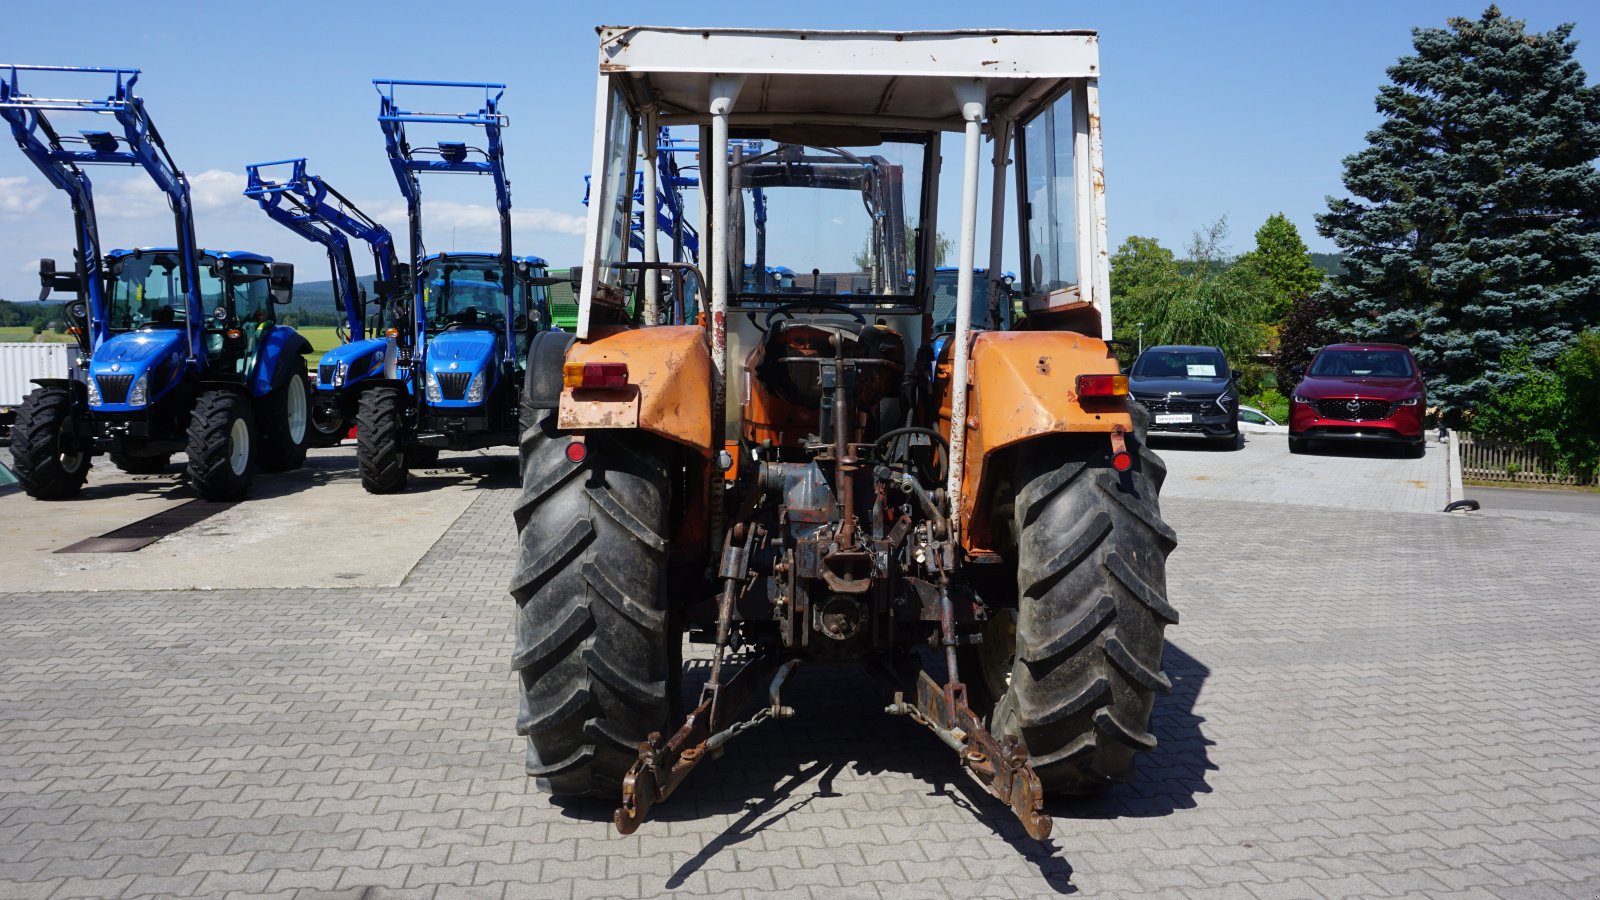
x=806, y=467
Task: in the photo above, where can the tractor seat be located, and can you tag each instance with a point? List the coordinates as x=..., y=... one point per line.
x=793, y=354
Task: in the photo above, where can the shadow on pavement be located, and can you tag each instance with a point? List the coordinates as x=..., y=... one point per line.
x=1169, y=776
x=1361, y=449
x=1202, y=445
x=783, y=767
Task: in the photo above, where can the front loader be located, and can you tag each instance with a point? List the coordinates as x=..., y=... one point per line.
x=472, y=313
x=369, y=349
x=801, y=467
x=178, y=347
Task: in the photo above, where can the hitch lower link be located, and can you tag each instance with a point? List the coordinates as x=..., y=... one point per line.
x=1001, y=765
x=664, y=764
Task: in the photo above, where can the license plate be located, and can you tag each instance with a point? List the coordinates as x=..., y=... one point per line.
x=1174, y=418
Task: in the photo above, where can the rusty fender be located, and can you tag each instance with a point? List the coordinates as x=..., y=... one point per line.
x=669, y=385
x=1023, y=385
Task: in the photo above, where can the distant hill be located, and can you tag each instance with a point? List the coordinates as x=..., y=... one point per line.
x=1331, y=263
x=317, y=296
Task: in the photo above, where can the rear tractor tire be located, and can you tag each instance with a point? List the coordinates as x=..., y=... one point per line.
x=380, y=440
x=598, y=653
x=285, y=421
x=1080, y=684
x=46, y=463
x=222, y=446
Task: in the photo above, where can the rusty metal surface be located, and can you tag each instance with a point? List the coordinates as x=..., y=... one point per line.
x=580, y=409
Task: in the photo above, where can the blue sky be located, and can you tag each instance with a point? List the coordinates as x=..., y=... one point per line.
x=1209, y=109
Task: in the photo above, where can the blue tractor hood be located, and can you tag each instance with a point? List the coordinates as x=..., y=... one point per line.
x=135, y=351
x=119, y=362
x=350, y=363
x=469, y=350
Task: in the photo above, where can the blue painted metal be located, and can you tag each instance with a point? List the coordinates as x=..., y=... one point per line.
x=409, y=161
x=311, y=208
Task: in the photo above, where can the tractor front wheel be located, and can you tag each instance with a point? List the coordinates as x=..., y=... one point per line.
x=1080, y=684
x=598, y=652
x=380, y=443
x=286, y=421
x=222, y=446
x=48, y=466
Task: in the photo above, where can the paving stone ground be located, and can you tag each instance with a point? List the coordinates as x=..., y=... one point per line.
x=1366, y=703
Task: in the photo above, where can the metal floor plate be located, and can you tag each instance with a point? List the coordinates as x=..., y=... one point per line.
x=148, y=530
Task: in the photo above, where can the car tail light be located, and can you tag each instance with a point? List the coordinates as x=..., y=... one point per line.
x=1102, y=385
x=594, y=375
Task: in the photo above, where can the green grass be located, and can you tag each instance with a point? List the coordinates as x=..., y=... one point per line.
x=22, y=334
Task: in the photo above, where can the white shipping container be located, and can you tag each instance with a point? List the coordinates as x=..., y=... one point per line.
x=21, y=363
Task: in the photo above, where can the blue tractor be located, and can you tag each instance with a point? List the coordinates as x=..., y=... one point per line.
x=372, y=347
x=472, y=316
x=178, y=346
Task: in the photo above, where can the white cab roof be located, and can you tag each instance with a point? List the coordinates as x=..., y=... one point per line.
x=887, y=78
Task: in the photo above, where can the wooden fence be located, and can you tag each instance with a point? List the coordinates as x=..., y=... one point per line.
x=1495, y=460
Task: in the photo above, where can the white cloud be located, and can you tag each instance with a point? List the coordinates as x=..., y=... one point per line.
x=21, y=195
x=217, y=189
x=139, y=198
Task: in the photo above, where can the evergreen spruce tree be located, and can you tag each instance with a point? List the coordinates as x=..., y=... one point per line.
x=1472, y=226
x=1284, y=263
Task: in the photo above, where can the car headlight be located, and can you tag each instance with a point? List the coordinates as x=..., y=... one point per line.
x=94, y=392
x=140, y=394
x=432, y=389
x=340, y=373
x=1224, y=400
x=1409, y=401
x=475, y=390
x=1301, y=399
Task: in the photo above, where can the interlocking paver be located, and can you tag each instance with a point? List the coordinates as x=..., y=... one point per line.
x=1366, y=702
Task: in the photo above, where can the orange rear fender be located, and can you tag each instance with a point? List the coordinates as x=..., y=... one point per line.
x=1023, y=385
x=669, y=388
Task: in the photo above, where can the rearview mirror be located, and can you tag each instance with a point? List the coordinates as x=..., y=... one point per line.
x=51, y=280
x=280, y=281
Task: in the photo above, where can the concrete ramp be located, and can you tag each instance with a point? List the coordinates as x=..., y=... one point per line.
x=1345, y=476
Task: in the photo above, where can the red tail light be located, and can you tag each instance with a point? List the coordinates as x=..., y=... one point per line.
x=594, y=375
x=577, y=451
x=1122, y=462
x=1102, y=385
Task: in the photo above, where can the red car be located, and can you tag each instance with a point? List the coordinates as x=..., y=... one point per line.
x=1359, y=392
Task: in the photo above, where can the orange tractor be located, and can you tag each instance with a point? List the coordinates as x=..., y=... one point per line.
x=807, y=466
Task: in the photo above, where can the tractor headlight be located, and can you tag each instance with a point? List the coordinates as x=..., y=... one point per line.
x=432, y=387
x=140, y=394
x=94, y=391
x=475, y=390
x=340, y=373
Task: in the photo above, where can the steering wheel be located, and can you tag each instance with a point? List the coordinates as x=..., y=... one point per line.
x=787, y=310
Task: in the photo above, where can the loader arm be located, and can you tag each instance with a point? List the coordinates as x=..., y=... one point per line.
x=313, y=209
x=140, y=144
x=409, y=161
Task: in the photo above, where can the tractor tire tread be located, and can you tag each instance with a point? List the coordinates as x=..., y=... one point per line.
x=35, y=445
x=592, y=540
x=1091, y=574
x=380, y=440
x=210, y=468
